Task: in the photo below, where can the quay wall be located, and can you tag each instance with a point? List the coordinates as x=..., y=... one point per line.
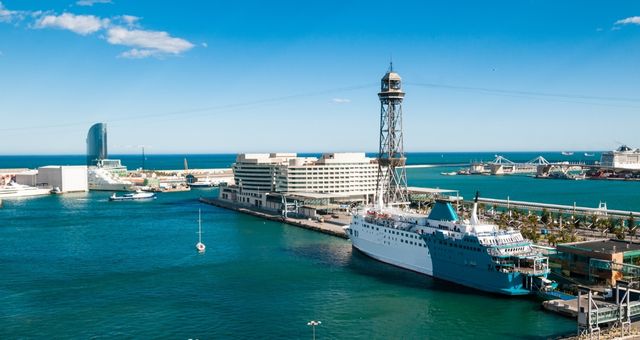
x=328, y=228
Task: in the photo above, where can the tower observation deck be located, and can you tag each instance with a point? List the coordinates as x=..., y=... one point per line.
x=392, y=177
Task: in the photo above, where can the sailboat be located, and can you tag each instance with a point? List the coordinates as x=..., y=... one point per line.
x=200, y=246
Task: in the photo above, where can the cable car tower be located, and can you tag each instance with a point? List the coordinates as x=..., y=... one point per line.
x=392, y=176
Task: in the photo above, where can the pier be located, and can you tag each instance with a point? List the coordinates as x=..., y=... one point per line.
x=331, y=227
x=559, y=208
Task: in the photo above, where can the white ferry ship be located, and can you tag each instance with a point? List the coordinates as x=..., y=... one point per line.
x=469, y=253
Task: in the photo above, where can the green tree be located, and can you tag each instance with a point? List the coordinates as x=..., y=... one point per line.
x=503, y=220
x=553, y=239
x=603, y=225
x=592, y=222
x=631, y=226
x=613, y=224
x=545, y=216
x=577, y=222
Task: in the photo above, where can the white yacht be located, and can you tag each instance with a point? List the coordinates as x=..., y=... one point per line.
x=138, y=195
x=14, y=190
x=205, y=183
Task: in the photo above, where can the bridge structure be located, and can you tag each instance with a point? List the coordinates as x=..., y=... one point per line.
x=538, y=166
x=598, y=313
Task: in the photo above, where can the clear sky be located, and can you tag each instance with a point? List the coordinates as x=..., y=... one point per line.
x=243, y=76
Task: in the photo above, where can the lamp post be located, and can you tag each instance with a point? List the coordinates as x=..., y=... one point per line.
x=313, y=325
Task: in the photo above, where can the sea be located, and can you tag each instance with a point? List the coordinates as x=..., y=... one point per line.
x=78, y=266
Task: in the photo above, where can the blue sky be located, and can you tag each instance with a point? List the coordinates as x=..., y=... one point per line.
x=242, y=76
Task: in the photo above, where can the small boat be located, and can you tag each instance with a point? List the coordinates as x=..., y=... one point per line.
x=207, y=183
x=138, y=195
x=452, y=173
x=588, y=154
x=567, y=153
x=200, y=246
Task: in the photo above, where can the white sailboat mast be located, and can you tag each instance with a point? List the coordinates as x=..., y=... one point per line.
x=199, y=226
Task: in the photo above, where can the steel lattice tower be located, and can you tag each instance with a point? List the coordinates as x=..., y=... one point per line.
x=392, y=175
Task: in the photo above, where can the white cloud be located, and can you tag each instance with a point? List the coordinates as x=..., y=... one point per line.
x=122, y=30
x=146, y=43
x=81, y=24
x=8, y=15
x=92, y=2
x=135, y=53
x=630, y=20
x=129, y=20
x=341, y=100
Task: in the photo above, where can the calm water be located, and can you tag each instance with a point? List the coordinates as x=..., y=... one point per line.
x=79, y=266
x=225, y=160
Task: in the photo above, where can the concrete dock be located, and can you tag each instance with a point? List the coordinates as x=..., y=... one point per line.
x=330, y=227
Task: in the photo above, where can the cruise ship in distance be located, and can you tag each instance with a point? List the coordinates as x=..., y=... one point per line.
x=105, y=179
x=469, y=253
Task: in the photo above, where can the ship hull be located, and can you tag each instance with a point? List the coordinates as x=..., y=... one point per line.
x=503, y=284
x=24, y=193
x=110, y=187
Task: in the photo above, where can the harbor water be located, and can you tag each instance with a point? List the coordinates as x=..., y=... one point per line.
x=79, y=266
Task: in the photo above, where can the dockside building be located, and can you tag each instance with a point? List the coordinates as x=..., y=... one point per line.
x=262, y=180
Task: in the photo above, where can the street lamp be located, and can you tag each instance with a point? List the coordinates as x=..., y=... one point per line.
x=313, y=325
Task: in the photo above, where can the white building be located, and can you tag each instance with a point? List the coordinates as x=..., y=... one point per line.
x=623, y=158
x=29, y=177
x=69, y=178
x=258, y=171
x=349, y=176
x=347, y=173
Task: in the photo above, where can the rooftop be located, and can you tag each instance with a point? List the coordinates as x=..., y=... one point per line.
x=610, y=246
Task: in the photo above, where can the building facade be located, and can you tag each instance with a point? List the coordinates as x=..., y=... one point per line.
x=345, y=177
x=96, y=144
x=67, y=178
x=599, y=261
x=347, y=173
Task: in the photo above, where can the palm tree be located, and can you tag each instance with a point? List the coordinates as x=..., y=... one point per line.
x=603, y=225
x=545, y=216
x=620, y=232
x=553, y=239
x=593, y=222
